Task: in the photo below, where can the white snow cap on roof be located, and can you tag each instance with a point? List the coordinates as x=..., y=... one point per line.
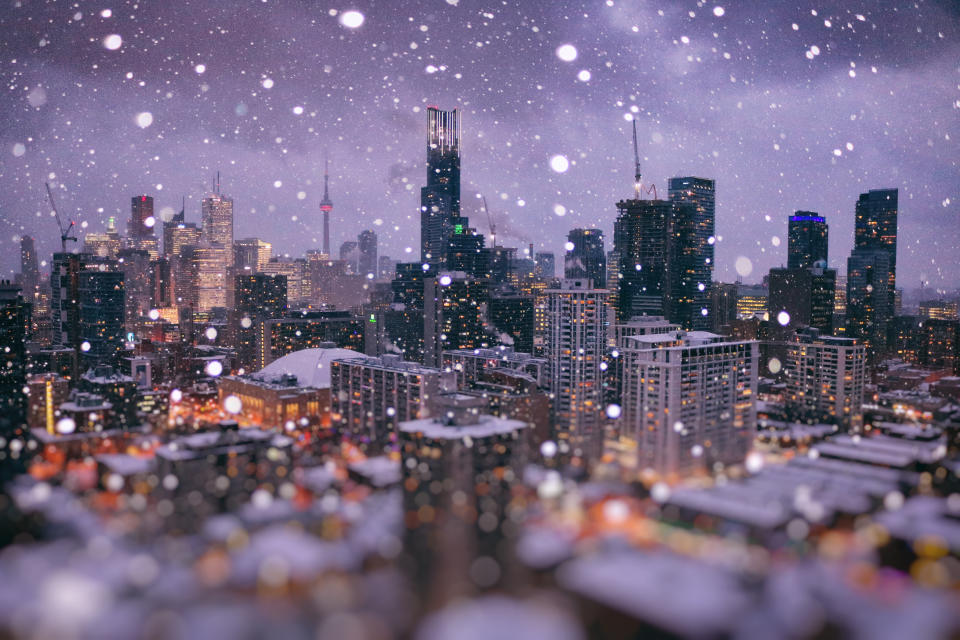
x=310, y=366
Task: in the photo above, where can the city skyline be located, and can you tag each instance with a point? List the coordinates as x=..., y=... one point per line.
x=206, y=124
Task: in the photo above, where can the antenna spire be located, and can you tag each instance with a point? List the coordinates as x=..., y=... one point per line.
x=636, y=162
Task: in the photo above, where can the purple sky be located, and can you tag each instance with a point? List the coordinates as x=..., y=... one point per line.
x=734, y=97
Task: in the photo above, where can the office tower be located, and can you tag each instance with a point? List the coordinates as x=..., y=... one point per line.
x=869, y=304
x=29, y=266
x=440, y=199
x=260, y=297
x=369, y=396
x=586, y=258
x=546, y=265
x=806, y=295
x=939, y=309
x=168, y=226
x=367, y=250
x=876, y=228
x=134, y=264
x=825, y=377
x=404, y=319
x=689, y=400
x=500, y=262
x=64, y=306
x=453, y=314
x=700, y=195
x=752, y=301
x=465, y=251
x=642, y=239
x=161, y=284
x=350, y=254
x=298, y=277
x=14, y=323
x=326, y=206
x=217, y=221
x=140, y=233
x=613, y=279
x=309, y=330
x=905, y=338
x=511, y=316
x=107, y=244
x=101, y=302
x=209, y=265
x=460, y=469
x=806, y=240
x=251, y=254
x=723, y=306
x=386, y=267
x=575, y=344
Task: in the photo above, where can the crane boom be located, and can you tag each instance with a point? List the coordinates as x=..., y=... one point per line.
x=64, y=233
x=493, y=227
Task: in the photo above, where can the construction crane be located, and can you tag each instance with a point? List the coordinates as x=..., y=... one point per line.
x=64, y=233
x=638, y=189
x=493, y=227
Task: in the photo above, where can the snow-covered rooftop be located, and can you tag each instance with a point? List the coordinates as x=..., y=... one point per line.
x=310, y=366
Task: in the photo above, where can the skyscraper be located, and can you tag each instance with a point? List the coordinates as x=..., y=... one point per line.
x=260, y=297
x=869, y=303
x=367, y=246
x=440, y=199
x=251, y=254
x=806, y=240
x=326, y=206
x=545, y=265
x=700, y=194
x=14, y=320
x=217, y=222
x=453, y=314
x=168, y=228
x=29, y=267
x=806, y=295
x=586, y=258
x=876, y=228
x=102, y=299
x=575, y=344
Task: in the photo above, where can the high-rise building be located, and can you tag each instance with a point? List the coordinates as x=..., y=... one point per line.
x=134, y=264
x=217, y=222
x=511, y=317
x=546, y=265
x=469, y=365
x=367, y=258
x=260, y=297
x=210, y=260
x=101, y=299
x=806, y=240
x=64, y=305
x=643, y=238
x=140, y=232
x=14, y=323
x=941, y=344
x=689, y=400
x=404, y=319
x=298, y=278
x=586, y=259
x=350, y=255
x=939, y=309
x=806, y=295
x=876, y=228
x=251, y=254
x=700, y=195
x=369, y=396
x=168, y=226
x=453, y=314
x=440, y=199
x=621, y=334
x=752, y=301
x=326, y=206
x=386, y=267
x=825, y=377
x=309, y=330
x=575, y=344
x=869, y=304
x=107, y=244
x=723, y=306
x=29, y=266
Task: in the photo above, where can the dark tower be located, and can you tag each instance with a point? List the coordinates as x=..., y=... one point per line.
x=876, y=228
x=440, y=199
x=326, y=206
x=700, y=195
x=806, y=240
x=587, y=258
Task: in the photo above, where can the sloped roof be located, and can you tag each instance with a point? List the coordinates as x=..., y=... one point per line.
x=310, y=366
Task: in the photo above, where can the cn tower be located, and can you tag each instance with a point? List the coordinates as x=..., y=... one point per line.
x=326, y=206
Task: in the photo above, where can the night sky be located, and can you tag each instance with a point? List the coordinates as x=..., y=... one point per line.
x=787, y=108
